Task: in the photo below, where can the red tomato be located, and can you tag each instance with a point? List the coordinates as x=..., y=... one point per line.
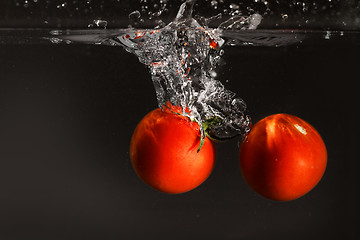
x=283, y=157
x=163, y=152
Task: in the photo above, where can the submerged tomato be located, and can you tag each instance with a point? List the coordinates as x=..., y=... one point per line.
x=283, y=157
x=163, y=152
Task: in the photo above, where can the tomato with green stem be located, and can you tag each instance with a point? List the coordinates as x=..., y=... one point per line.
x=164, y=152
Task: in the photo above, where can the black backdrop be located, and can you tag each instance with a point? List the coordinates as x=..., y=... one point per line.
x=67, y=113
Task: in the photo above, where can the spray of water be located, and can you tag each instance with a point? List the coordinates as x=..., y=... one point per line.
x=182, y=57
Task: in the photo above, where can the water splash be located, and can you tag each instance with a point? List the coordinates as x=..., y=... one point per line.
x=182, y=57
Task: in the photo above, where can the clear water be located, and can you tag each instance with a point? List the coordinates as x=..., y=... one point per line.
x=183, y=56
x=198, y=89
x=68, y=111
x=235, y=38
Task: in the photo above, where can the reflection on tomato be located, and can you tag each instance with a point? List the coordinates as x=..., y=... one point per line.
x=163, y=152
x=283, y=157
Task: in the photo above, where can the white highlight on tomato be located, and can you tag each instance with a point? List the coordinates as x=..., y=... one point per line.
x=300, y=128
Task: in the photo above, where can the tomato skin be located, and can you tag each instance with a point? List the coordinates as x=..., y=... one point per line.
x=163, y=152
x=283, y=157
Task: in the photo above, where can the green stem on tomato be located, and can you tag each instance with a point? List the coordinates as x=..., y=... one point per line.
x=204, y=127
x=204, y=130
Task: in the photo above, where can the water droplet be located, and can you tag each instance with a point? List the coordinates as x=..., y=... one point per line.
x=255, y=20
x=56, y=40
x=327, y=35
x=234, y=6
x=159, y=24
x=62, y=5
x=213, y=74
x=214, y=4
x=134, y=15
x=100, y=23
x=284, y=16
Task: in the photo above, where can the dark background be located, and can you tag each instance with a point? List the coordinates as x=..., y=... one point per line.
x=278, y=14
x=67, y=113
